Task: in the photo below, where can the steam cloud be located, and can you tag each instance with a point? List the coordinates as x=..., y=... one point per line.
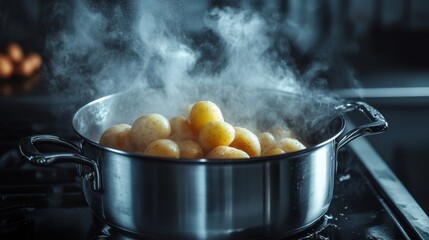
x=104, y=48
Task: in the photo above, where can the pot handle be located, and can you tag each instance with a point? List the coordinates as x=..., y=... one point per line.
x=377, y=125
x=29, y=151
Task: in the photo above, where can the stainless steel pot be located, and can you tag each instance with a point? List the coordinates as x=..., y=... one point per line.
x=159, y=198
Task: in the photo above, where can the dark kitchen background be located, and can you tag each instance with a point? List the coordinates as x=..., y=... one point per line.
x=374, y=50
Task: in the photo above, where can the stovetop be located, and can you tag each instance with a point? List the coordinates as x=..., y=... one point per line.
x=47, y=203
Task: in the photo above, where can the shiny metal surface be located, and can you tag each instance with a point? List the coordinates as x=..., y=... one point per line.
x=377, y=125
x=213, y=200
x=258, y=198
x=28, y=149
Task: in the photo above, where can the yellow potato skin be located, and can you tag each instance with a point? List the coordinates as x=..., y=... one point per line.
x=214, y=134
x=181, y=129
x=225, y=152
x=148, y=128
x=118, y=137
x=163, y=148
x=190, y=149
x=247, y=141
x=290, y=145
x=14, y=52
x=203, y=134
x=203, y=112
x=272, y=151
x=267, y=141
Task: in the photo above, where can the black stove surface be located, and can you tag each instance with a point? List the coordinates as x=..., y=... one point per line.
x=47, y=203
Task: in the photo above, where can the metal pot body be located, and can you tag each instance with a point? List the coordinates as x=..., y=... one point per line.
x=258, y=198
x=199, y=200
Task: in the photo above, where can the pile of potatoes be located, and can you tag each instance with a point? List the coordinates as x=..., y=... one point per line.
x=13, y=61
x=204, y=134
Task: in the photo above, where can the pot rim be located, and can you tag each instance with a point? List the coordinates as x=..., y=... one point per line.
x=204, y=160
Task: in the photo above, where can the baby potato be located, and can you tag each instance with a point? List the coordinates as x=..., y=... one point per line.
x=272, y=151
x=181, y=129
x=216, y=133
x=290, y=145
x=117, y=136
x=225, y=152
x=247, y=141
x=14, y=52
x=28, y=65
x=282, y=132
x=25, y=68
x=6, y=67
x=35, y=59
x=267, y=141
x=163, y=148
x=190, y=149
x=202, y=113
x=148, y=128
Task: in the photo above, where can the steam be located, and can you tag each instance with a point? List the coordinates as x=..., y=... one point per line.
x=102, y=49
x=90, y=55
x=247, y=42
